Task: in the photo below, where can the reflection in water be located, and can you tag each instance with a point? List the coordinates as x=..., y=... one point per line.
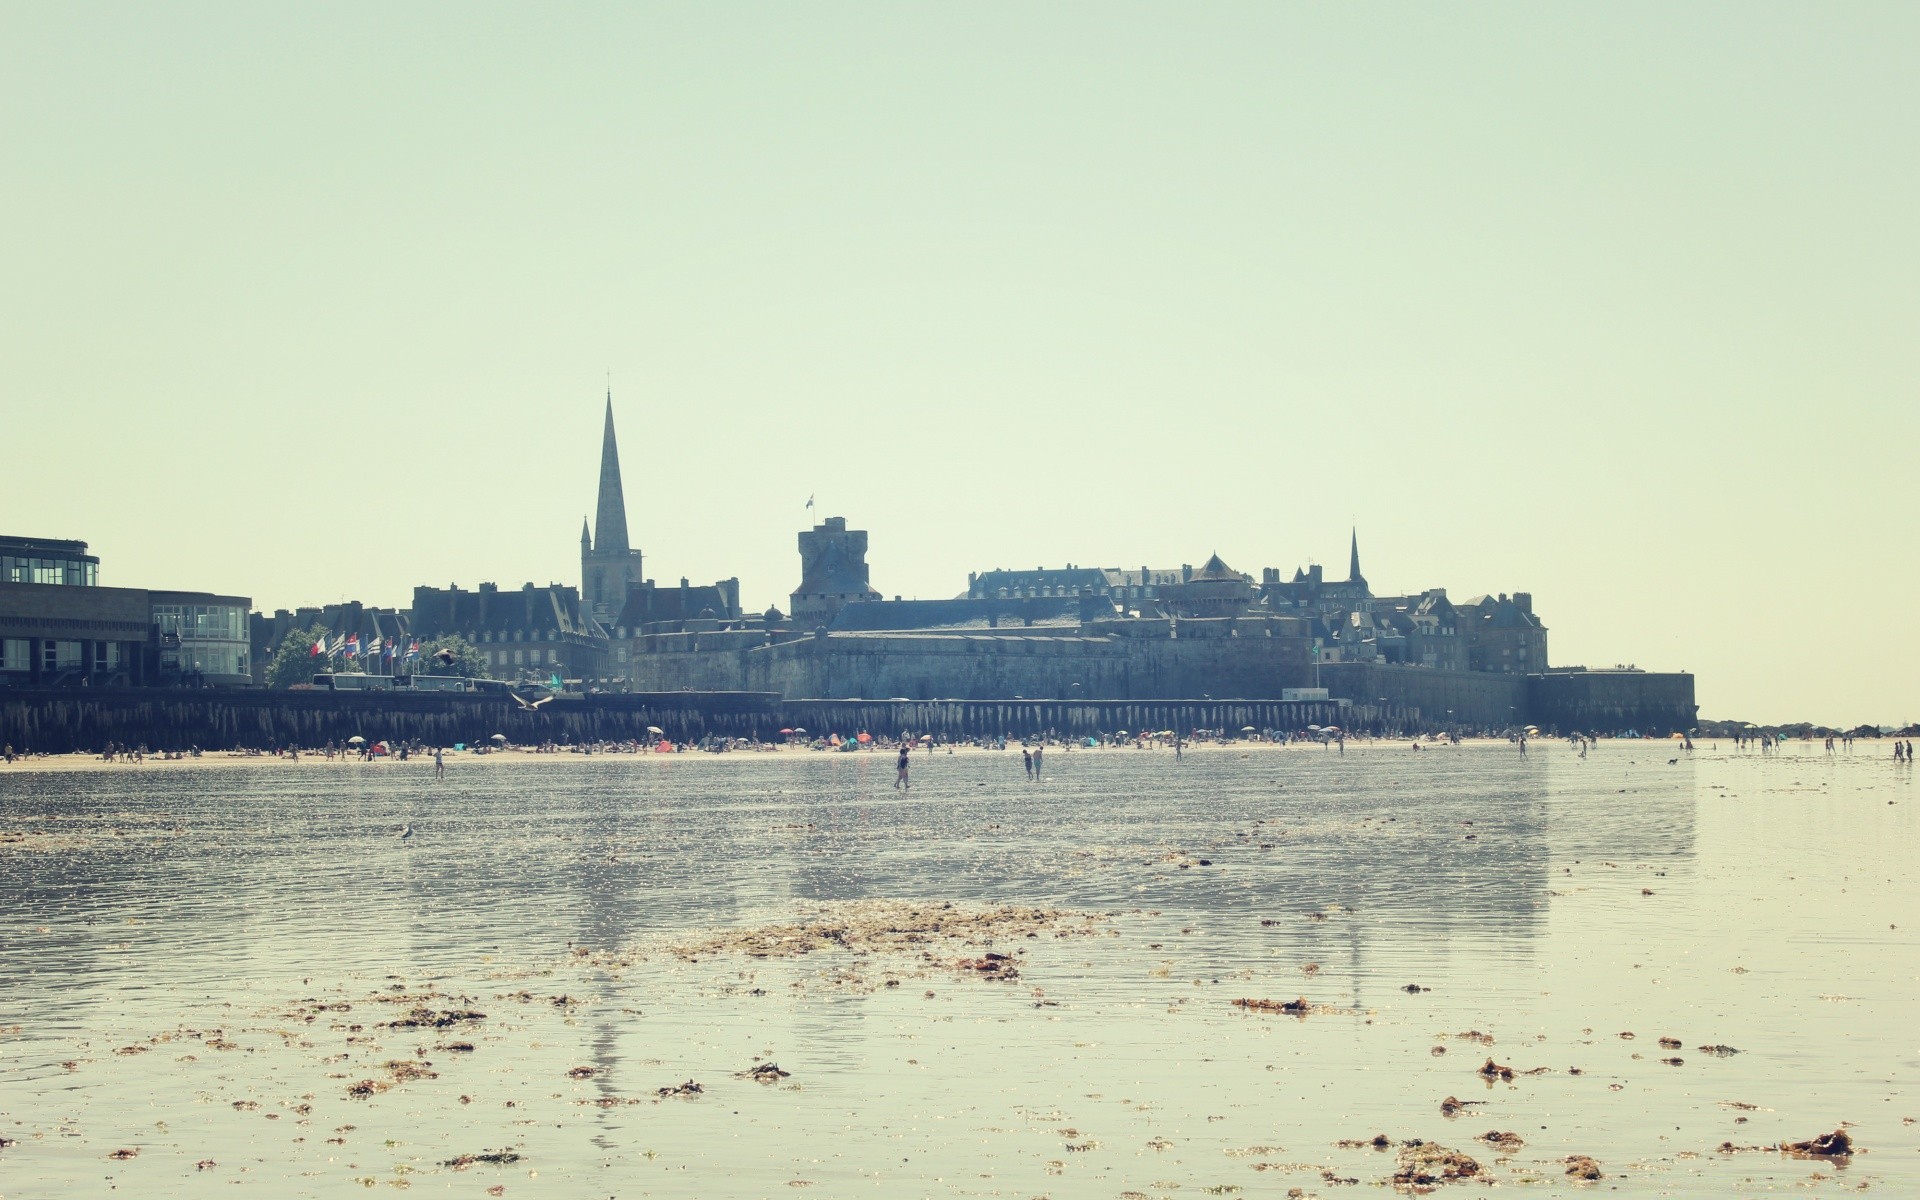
x=1550, y=901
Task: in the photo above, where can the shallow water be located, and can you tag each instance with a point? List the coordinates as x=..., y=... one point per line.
x=168, y=936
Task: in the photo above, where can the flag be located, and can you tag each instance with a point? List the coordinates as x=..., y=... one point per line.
x=413, y=651
x=554, y=682
x=319, y=648
x=353, y=646
x=338, y=644
x=809, y=501
x=373, y=651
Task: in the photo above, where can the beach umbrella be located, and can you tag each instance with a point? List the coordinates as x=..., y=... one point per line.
x=786, y=731
x=796, y=729
x=498, y=737
x=1121, y=733
x=655, y=729
x=863, y=737
x=1313, y=729
x=1248, y=729
x=356, y=740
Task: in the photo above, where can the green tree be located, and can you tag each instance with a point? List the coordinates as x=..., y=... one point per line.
x=294, y=661
x=467, y=659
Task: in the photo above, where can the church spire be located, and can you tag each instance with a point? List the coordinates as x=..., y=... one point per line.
x=1353, y=564
x=610, y=519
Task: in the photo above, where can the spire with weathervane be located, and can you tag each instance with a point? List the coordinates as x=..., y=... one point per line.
x=610, y=519
x=608, y=563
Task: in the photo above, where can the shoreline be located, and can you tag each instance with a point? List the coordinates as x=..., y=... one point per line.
x=87, y=761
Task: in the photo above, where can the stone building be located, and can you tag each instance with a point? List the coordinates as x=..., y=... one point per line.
x=1215, y=590
x=371, y=624
x=1503, y=634
x=1128, y=588
x=530, y=633
x=833, y=573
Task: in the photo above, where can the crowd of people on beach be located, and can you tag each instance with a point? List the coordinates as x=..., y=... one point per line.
x=1032, y=747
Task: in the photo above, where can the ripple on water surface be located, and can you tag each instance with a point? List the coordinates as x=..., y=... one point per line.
x=246, y=966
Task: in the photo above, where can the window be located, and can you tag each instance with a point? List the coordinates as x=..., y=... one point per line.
x=16, y=654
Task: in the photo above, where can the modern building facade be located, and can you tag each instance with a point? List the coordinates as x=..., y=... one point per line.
x=59, y=628
x=47, y=560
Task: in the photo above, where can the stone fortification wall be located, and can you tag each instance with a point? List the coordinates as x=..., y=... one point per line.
x=1426, y=698
x=989, y=667
x=1650, y=702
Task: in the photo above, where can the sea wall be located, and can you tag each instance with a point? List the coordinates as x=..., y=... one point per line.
x=1405, y=697
x=1650, y=702
x=60, y=721
x=227, y=718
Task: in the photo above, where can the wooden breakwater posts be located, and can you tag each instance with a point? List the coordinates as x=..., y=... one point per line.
x=65, y=720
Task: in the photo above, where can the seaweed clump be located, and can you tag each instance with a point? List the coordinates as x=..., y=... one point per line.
x=1422, y=1163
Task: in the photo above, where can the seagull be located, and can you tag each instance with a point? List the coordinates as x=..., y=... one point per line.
x=525, y=705
x=407, y=832
x=443, y=656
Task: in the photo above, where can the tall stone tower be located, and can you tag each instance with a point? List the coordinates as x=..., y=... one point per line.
x=607, y=563
x=833, y=572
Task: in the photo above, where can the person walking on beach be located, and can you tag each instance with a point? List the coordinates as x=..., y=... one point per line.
x=439, y=764
x=1026, y=760
x=900, y=770
x=1037, y=752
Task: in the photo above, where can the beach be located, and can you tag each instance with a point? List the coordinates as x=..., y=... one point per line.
x=1249, y=970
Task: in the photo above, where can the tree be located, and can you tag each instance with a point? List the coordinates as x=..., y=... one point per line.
x=467, y=659
x=294, y=661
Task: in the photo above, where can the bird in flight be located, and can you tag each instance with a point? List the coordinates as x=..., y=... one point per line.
x=529, y=707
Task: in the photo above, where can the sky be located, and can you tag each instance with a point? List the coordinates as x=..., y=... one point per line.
x=1614, y=304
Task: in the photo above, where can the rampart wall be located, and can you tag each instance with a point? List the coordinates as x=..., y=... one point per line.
x=1426, y=698
x=1650, y=702
x=988, y=667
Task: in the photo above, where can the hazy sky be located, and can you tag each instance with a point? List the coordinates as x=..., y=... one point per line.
x=1615, y=303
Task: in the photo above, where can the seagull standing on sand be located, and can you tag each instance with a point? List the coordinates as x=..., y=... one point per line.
x=407, y=832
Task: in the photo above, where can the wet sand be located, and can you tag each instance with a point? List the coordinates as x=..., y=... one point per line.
x=1248, y=971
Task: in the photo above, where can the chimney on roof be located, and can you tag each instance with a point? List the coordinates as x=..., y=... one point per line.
x=1524, y=602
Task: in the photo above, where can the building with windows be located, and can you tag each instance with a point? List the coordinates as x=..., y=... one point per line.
x=59, y=628
x=528, y=633
x=201, y=638
x=47, y=560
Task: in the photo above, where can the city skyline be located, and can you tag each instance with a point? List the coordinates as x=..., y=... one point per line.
x=1606, y=306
